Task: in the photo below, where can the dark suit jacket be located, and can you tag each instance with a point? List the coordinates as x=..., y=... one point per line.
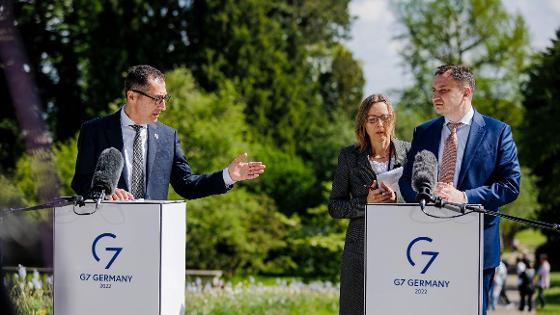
x=347, y=201
x=490, y=173
x=166, y=162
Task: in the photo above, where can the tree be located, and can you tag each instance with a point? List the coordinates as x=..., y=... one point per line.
x=341, y=84
x=478, y=33
x=283, y=62
x=540, y=131
x=264, y=48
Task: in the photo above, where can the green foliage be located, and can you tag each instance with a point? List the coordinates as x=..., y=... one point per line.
x=540, y=128
x=212, y=126
x=45, y=170
x=233, y=232
x=287, y=180
x=65, y=159
x=238, y=41
x=237, y=230
x=341, y=85
x=264, y=48
x=35, y=176
x=10, y=196
x=525, y=206
x=30, y=293
x=478, y=33
x=318, y=245
x=407, y=118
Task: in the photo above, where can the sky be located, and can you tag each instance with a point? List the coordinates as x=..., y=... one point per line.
x=375, y=26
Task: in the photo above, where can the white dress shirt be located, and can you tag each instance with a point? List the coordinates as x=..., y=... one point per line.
x=462, y=137
x=128, y=141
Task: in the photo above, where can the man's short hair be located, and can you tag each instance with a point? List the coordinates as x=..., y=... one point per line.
x=138, y=76
x=459, y=73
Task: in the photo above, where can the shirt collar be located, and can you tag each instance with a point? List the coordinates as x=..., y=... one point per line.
x=126, y=121
x=466, y=120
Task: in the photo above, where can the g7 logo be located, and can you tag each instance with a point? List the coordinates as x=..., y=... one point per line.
x=426, y=253
x=117, y=250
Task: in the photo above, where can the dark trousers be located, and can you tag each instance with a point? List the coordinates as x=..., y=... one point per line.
x=526, y=298
x=487, y=276
x=540, y=296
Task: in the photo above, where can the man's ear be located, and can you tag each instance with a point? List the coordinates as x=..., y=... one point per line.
x=130, y=96
x=467, y=91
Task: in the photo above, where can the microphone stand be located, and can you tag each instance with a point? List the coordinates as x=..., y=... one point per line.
x=462, y=208
x=76, y=200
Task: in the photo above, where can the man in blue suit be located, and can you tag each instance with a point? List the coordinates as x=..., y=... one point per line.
x=477, y=157
x=153, y=158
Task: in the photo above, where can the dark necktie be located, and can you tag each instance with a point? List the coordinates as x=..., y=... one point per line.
x=449, y=159
x=137, y=179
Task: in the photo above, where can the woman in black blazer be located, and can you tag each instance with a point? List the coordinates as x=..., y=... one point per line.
x=355, y=184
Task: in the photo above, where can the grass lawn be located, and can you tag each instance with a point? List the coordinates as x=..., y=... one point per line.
x=552, y=296
x=531, y=238
x=283, y=298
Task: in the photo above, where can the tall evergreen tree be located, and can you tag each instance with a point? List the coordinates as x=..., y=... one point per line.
x=540, y=129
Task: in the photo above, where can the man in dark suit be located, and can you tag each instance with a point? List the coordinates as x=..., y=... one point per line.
x=152, y=151
x=477, y=157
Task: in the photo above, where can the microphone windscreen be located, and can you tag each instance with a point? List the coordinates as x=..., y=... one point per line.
x=107, y=172
x=424, y=170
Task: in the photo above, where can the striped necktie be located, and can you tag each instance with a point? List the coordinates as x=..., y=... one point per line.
x=137, y=180
x=447, y=172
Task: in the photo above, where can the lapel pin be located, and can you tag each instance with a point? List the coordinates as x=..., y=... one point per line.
x=156, y=136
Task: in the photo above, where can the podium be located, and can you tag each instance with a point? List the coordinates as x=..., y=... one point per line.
x=418, y=264
x=124, y=258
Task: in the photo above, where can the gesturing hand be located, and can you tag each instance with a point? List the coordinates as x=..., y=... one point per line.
x=239, y=170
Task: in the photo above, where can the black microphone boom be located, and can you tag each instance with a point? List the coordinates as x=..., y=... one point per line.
x=107, y=173
x=424, y=178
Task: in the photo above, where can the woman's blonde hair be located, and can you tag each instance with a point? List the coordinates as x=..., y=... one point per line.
x=362, y=138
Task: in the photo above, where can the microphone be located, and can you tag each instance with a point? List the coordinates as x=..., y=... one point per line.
x=106, y=175
x=424, y=172
x=424, y=179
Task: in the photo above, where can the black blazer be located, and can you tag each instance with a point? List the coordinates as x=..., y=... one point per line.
x=347, y=201
x=166, y=162
x=348, y=196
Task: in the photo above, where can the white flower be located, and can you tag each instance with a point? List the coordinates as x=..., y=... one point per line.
x=37, y=284
x=36, y=280
x=22, y=272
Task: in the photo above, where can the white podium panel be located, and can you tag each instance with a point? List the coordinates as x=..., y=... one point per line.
x=417, y=264
x=126, y=258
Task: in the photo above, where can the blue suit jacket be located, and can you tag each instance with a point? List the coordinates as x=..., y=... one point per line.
x=490, y=173
x=166, y=162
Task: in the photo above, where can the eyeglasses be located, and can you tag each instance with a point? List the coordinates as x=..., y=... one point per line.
x=372, y=119
x=158, y=99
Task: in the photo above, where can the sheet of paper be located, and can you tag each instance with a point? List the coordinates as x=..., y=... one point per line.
x=391, y=178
